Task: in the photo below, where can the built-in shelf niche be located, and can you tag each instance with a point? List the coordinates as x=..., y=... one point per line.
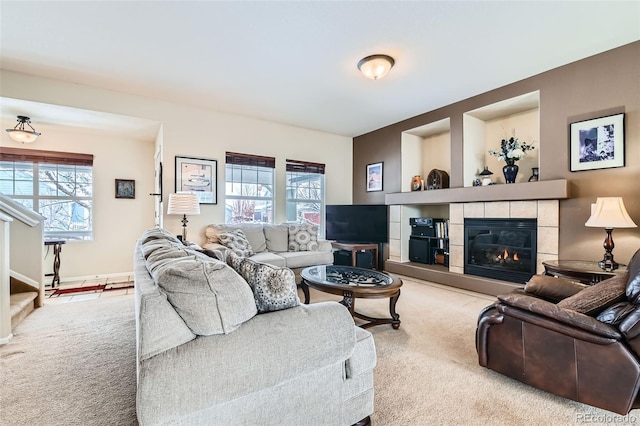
x=425, y=148
x=485, y=127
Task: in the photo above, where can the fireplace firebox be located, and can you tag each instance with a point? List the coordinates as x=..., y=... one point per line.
x=502, y=249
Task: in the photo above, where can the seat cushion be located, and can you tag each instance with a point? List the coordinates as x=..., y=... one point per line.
x=303, y=259
x=270, y=258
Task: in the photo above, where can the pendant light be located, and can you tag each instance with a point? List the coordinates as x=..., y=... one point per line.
x=19, y=134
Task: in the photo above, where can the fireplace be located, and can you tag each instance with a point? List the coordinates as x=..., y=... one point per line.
x=503, y=249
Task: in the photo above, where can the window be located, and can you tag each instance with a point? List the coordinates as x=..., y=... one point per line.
x=57, y=185
x=249, y=186
x=305, y=192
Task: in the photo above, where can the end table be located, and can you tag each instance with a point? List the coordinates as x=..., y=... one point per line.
x=584, y=271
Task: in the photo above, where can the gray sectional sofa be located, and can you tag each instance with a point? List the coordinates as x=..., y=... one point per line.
x=285, y=244
x=206, y=357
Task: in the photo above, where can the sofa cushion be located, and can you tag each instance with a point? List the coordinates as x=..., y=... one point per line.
x=237, y=242
x=596, y=298
x=615, y=314
x=303, y=259
x=552, y=288
x=303, y=237
x=277, y=237
x=252, y=231
x=270, y=258
x=208, y=295
x=633, y=286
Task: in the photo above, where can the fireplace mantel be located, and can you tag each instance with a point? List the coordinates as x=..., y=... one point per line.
x=542, y=190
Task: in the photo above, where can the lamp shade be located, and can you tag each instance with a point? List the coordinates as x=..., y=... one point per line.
x=609, y=212
x=183, y=203
x=376, y=66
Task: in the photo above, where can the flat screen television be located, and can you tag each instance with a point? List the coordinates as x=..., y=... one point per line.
x=362, y=224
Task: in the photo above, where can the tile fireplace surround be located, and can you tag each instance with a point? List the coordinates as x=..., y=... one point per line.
x=545, y=211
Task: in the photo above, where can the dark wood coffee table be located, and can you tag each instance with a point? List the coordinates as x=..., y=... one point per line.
x=352, y=283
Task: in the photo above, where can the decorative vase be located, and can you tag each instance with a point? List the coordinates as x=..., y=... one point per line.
x=416, y=183
x=535, y=174
x=510, y=172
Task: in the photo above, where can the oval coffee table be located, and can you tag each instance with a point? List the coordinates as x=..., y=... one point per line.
x=352, y=283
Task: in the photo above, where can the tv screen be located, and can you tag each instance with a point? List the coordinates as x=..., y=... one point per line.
x=357, y=223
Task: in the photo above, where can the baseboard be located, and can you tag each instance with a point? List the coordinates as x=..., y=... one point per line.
x=5, y=340
x=96, y=277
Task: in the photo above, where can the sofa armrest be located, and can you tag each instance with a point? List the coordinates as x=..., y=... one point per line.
x=324, y=245
x=564, y=321
x=263, y=352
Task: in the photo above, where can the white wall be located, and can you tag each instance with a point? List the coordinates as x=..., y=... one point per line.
x=186, y=131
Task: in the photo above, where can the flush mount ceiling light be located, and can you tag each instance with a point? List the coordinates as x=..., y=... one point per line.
x=376, y=66
x=19, y=134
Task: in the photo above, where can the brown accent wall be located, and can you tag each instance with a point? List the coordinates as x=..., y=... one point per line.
x=600, y=85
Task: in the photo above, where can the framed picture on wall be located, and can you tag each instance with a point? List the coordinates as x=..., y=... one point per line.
x=374, y=177
x=199, y=176
x=597, y=143
x=125, y=188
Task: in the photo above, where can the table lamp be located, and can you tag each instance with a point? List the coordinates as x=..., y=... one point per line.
x=609, y=213
x=184, y=203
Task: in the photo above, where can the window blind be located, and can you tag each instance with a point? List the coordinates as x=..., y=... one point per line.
x=305, y=167
x=51, y=157
x=250, y=160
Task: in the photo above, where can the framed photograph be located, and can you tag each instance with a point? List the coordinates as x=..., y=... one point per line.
x=125, y=188
x=597, y=143
x=374, y=177
x=198, y=175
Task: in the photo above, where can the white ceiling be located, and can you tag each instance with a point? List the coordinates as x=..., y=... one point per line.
x=295, y=62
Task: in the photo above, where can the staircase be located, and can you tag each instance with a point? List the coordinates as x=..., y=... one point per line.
x=21, y=264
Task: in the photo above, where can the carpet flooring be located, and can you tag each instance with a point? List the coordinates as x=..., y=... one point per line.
x=74, y=364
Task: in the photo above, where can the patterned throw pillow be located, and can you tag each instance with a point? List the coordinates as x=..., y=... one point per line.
x=303, y=237
x=237, y=242
x=274, y=288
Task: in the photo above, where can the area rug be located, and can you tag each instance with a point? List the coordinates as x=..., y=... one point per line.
x=74, y=364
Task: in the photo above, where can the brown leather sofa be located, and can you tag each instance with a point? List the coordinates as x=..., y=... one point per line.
x=575, y=341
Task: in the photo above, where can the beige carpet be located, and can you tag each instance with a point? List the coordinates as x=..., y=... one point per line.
x=73, y=364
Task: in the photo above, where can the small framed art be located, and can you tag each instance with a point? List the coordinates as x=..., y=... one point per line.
x=125, y=188
x=199, y=176
x=374, y=177
x=597, y=143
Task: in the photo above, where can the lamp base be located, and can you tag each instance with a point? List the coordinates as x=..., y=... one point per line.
x=608, y=265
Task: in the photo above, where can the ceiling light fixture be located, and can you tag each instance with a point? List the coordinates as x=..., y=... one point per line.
x=19, y=134
x=376, y=66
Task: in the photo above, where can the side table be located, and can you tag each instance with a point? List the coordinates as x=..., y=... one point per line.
x=355, y=248
x=57, y=248
x=584, y=271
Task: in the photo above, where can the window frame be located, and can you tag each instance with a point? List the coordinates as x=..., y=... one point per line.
x=246, y=164
x=45, y=159
x=302, y=169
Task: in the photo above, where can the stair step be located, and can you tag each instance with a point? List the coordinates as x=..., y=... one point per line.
x=21, y=305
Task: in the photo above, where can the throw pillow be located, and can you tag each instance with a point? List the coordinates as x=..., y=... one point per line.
x=273, y=288
x=207, y=294
x=554, y=289
x=303, y=237
x=596, y=298
x=237, y=242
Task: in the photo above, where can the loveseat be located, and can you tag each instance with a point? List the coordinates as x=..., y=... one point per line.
x=206, y=355
x=293, y=245
x=579, y=342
